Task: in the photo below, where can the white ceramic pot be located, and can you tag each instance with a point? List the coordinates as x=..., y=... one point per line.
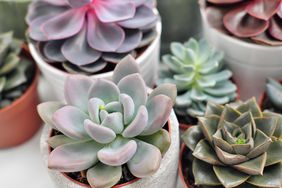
x=165, y=177
x=148, y=62
x=250, y=63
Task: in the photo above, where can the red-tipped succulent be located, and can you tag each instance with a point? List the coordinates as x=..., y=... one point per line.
x=258, y=20
x=87, y=34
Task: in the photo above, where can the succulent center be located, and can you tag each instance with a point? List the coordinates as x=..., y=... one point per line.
x=241, y=141
x=102, y=107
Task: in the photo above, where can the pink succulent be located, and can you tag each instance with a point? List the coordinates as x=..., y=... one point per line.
x=86, y=34
x=259, y=20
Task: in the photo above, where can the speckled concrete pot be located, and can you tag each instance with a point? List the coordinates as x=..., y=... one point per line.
x=148, y=62
x=165, y=177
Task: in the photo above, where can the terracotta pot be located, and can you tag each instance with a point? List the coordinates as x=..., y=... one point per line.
x=167, y=170
x=20, y=121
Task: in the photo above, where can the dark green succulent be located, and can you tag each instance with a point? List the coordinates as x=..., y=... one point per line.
x=197, y=70
x=236, y=146
x=274, y=93
x=15, y=72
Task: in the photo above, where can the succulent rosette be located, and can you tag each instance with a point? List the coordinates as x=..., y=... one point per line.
x=196, y=68
x=236, y=145
x=258, y=20
x=274, y=94
x=106, y=125
x=86, y=35
x=15, y=72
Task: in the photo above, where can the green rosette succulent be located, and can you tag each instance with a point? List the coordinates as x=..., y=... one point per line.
x=107, y=125
x=197, y=70
x=15, y=72
x=236, y=145
x=274, y=94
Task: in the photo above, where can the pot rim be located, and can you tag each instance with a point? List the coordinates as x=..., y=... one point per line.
x=27, y=93
x=180, y=170
x=232, y=39
x=116, y=186
x=62, y=73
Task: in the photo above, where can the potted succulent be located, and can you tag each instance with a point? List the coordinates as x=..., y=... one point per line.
x=15, y=11
x=91, y=36
x=175, y=23
x=235, y=145
x=250, y=34
x=111, y=133
x=18, y=92
x=198, y=72
x=271, y=99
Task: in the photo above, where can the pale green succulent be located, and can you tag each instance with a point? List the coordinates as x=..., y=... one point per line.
x=197, y=70
x=274, y=94
x=15, y=71
x=106, y=125
x=236, y=146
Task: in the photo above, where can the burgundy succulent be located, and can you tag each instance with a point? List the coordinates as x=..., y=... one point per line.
x=259, y=20
x=87, y=34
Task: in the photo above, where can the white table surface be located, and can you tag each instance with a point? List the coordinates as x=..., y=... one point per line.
x=22, y=166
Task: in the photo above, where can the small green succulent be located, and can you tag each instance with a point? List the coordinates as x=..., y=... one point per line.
x=197, y=70
x=236, y=146
x=15, y=72
x=106, y=125
x=274, y=93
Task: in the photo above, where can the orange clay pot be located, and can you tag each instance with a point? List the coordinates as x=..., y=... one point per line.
x=20, y=121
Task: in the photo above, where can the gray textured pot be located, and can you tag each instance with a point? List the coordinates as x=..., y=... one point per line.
x=181, y=20
x=165, y=177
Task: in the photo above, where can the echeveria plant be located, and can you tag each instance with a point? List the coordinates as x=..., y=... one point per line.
x=197, y=70
x=237, y=146
x=86, y=35
x=106, y=125
x=15, y=71
x=259, y=20
x=274, y=93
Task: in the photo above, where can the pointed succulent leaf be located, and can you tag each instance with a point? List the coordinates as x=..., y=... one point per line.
x=138, y=124
x=254, y=166
x=69, y=120
x=99, y=133
x=104, y=90
x=204, y=174
x=134, y=86
x=160, y=139
x=74, y=157
x=261, y=144
x=228, y=158
x=119, y=152
x=205, y=152
x=104, y=176
x=274, y=153
x=213, y=109
x=208, y=126
x=46, y=111
x=146, y=160
x=159, y=109
x=192, y=136
x=58, y=140
x=271, y=177
x=221, y=143
x=124, y=68
x=252, y=106
x=266, y=124
x=230, y=177
x=113, y=121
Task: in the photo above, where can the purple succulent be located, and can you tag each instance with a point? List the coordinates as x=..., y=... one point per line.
x=259, y=20
x=85, y=35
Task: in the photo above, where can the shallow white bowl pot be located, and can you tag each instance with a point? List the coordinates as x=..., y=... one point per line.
x=148, y=62
x=250, y=63
x=165, y=177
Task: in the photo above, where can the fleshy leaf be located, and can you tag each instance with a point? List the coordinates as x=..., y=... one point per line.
x=192, y=136
x=165, y=89
x=103, y=176
x=74, y=157
x=146, y=160
x=274, y=153
x=94, y=106
x=128, y=108
x=113, y=121
x=254, y=166
x=228, y=158
x=119, y=152
x=58, y=140
x=208, y=126
x=159, y=109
